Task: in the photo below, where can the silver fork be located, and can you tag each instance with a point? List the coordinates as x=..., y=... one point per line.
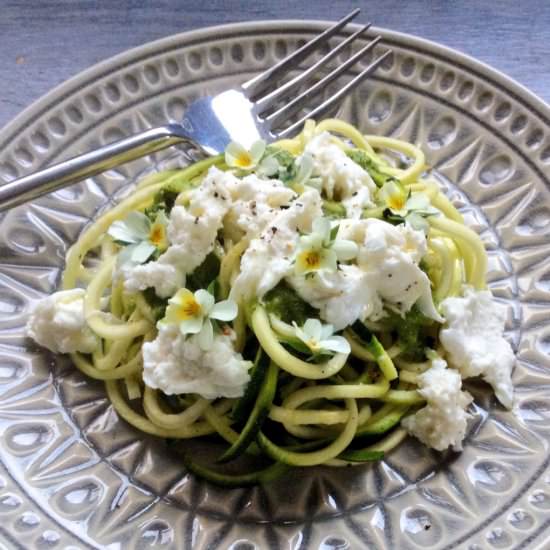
x=245, y=114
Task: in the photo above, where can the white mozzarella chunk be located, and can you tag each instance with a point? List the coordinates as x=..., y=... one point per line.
x=255, y=202
x=391, y=255
x=342, y=297
x=473, y=339
x=163, y=277
x=192, y=234
x=176, y=365
x=443, y=421
x=57, y=322
x=342, y=179
x=269, y=257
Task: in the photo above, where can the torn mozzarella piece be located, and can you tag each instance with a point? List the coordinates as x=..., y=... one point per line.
x=342, y=297
x=255, y=202
x=57, y=323
x=269, y=257
x=342, y=179
x=192, y=233
x=390, y=254
x=473, y=339
x=443, y=421
x=175, y=364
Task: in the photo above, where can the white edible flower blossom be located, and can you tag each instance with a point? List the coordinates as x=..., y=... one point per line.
x=236, y=156
x=321, y=251
x=320, y=338
x=413, y=208
x=142, y=237
x=193, y=312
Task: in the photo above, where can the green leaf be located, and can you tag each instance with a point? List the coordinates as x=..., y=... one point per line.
x=158, y=305
x=412, y=331
x=164, y=200
x=205, y=274
x=287, y=305
x=375, y=170
x=287, y=169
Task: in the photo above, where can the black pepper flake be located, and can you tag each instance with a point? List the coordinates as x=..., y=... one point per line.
x=284, y=206
x=299, y=204
x=274, y=230
x=216, y=194
x=390, y=275
x=196, y=221
x=355, y=193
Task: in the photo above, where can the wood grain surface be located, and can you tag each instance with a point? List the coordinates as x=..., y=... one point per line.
x=44, y=42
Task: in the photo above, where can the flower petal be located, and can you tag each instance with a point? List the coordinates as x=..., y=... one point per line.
x=205, y=337
x=125, y=255
x=224, y=311
x=192, y=325
x=138, y=223
x=416, y=221
x=326, y=332
x=305, y=169
x=142, y=251
x=321, y=227
x=418, y=201
x=257, y=150
x=313, y=329
x=337, y=343
x=345, y=250
x=310, y=242
x=300, y=333
x=120, y=232
x=233, y=152
x=328, y=260
x=181, y=296
x=269, y=166
x=394, y=195
x=206, y=301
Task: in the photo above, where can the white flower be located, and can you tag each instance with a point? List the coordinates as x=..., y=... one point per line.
x=236, y=156
x=320, y=250
x=304, y=175
x=320, y=338
x=193, y=314
x=413, y=208
x=142, y=237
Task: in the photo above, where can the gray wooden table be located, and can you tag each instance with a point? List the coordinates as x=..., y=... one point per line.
x=44, y=42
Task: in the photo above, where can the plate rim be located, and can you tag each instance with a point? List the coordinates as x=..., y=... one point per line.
x=531, y=101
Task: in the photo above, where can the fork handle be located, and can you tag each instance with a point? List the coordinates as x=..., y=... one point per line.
x=86, y=165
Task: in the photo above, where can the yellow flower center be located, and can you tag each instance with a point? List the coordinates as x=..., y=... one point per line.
x=396, y=201
x=312, y=259
x=243, y=160
x=157, y=236
x=313, y=345
x=188, y=309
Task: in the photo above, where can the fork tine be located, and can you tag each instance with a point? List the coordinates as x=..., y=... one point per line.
x=320, y=110
x=259, y=83
x=269, y=99
x=275, y=119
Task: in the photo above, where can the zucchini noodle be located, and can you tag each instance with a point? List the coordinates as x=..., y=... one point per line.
x=336, y=409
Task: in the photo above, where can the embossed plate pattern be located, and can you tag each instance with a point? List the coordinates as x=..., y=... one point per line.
x=74, y=476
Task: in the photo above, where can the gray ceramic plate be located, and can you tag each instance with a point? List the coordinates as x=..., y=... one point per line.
x=72, y=475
